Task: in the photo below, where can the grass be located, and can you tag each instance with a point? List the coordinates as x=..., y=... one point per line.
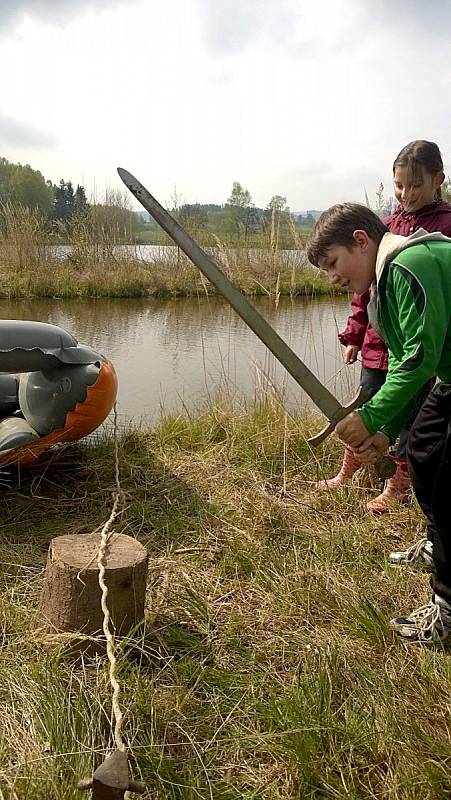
x=98, y=266
x=265, y=667
x=170, y=276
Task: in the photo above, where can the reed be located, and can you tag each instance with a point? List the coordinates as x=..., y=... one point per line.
x=24, y=243
x=97, y=263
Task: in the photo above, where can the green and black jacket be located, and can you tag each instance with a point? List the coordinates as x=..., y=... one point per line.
x=412, y=314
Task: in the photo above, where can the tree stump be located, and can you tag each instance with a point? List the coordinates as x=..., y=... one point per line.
x=71, y=595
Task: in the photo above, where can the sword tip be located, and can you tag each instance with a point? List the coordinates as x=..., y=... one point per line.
x=130, y=181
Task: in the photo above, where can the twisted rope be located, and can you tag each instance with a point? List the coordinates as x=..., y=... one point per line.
x=117, y=715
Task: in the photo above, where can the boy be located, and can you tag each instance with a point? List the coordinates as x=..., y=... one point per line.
x=410, y=308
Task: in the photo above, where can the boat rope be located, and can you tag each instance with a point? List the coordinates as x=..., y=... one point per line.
x=117, y=716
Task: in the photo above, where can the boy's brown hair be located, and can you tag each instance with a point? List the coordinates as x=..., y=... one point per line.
x=337, y=226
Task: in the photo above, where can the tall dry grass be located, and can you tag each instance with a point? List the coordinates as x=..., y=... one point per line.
x=24, y=242
x=97, y=264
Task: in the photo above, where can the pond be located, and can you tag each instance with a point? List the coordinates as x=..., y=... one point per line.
x=175, y=354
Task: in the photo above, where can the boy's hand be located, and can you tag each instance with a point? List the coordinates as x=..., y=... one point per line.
x=350, y=354
x=373, y=448
x=351, y=430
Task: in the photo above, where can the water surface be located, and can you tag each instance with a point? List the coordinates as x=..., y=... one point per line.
x=174, y=353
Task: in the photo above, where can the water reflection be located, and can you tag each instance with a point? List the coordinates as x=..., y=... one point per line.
x=178, y=352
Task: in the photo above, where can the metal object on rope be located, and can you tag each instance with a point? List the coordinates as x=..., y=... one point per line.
x=111, y=780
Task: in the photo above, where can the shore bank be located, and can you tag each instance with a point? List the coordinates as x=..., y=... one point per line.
x=41, y=274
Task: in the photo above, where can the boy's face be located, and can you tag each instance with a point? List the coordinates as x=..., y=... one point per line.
x=414, y=193
x=354, y=267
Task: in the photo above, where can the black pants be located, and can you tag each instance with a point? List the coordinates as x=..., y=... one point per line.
x=429, y=460
x=372, y=380
x=400, y=450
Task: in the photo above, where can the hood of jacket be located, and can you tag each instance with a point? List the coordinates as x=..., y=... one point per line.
x=391, y=244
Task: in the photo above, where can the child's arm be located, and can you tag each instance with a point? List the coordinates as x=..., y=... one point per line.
x=354, y=333
x=417, y=314
x=367, y=448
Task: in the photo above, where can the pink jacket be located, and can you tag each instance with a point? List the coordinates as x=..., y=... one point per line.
x=434, y=217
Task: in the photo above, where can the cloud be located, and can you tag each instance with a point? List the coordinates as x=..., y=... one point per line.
x=318, y=184
x=301, y=28
x=232, y=25
x=14, y=133
x=411, y=12
x=403, y=21
x=50, y=10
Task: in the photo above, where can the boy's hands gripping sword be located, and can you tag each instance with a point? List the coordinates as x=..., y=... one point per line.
x=321, y=396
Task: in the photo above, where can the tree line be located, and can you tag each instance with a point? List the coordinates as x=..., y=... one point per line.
x=66, y=212
x=63, y=210
x=22, y=185
x=238, y=221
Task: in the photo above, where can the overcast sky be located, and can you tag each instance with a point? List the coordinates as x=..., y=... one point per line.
x=311, y=100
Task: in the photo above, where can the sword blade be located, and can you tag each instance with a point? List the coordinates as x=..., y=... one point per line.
x=323, y=399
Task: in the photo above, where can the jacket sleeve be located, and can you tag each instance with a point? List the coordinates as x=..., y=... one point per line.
x=422, y=320
x=357, y=324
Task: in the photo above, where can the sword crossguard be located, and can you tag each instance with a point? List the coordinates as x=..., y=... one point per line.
x=385, y=467
x=357, y=401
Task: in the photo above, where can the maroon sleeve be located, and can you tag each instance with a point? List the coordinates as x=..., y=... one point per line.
x=355, y=330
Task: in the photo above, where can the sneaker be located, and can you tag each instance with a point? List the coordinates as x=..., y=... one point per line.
x=428, y=625
x=418, y=556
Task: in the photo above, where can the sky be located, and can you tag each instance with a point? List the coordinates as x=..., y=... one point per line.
x=309, y=100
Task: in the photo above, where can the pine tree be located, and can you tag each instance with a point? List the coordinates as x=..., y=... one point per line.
x=80, y=201
x=64, y=201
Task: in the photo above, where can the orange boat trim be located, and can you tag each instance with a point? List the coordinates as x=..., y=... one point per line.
x=84, y=419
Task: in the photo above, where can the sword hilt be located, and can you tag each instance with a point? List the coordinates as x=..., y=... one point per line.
x=357, y=401
x=385, y=467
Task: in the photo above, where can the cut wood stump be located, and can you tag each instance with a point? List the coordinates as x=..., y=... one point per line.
x=71, y=595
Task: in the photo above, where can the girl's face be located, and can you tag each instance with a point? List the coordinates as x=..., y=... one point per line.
x=414, y=193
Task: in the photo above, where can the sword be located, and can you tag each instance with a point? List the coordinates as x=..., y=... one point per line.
x=323, y=399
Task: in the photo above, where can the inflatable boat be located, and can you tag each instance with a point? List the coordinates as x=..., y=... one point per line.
x=52, y=390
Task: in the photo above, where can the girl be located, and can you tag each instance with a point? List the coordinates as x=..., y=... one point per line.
x=417, y=177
